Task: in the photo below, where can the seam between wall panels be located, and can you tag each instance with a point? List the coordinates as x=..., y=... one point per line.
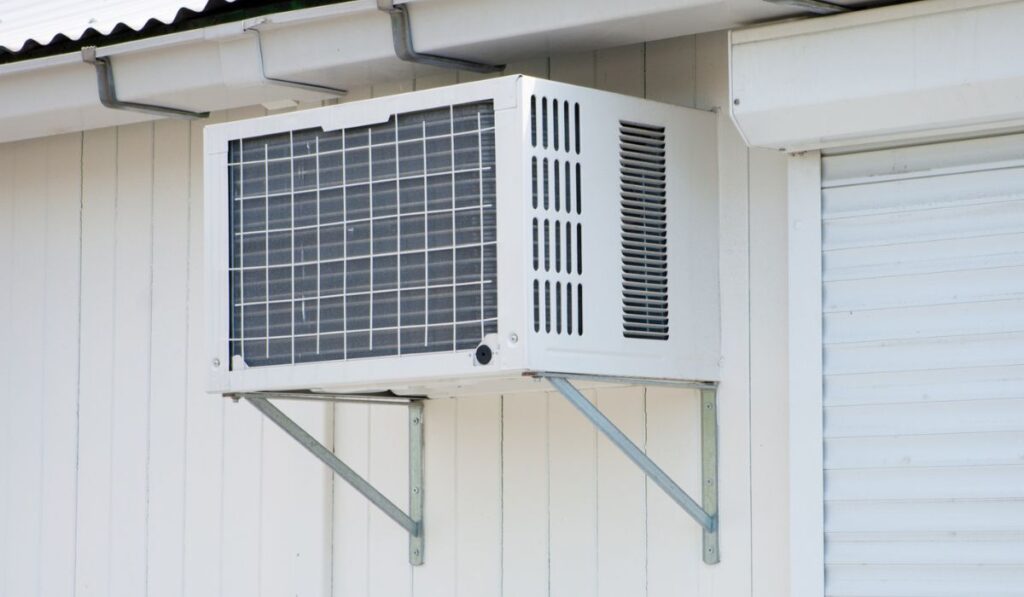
x=188, y=356
x=149, y=355
x=113, y=352
x=750, y=443
x=78, y=366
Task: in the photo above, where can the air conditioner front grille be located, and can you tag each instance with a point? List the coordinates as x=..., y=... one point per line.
x=364, y=242
x=644, y=231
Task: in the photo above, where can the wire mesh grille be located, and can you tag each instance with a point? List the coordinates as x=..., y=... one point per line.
x=363, y=242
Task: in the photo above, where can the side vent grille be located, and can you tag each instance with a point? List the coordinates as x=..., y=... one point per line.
x=644, y=231
x=556, y=200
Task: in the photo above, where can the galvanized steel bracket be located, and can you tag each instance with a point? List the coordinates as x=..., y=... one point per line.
x=705, y=513
x=108, y=92
x=411, y=522
x=401, y=35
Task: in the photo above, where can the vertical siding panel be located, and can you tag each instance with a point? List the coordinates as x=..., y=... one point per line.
x=437, y=576
x=769, y=380
x=168, y=384
x=732, y=576
x=242, y=499
x=204, y=437
x=242, y=503
x=572, y=479
x=351, y=510
x=295, y=516
x=478, y=497
x=671, y=70
x=621, y=69
x=7, y=348
x=96, y=349
x=621, y=499
x=27, y=388
x=60, y=364
x=673, y=538
x=441, y=79
x=389, y=570
x=576, y=68
x=525, y=496
x=132, y=329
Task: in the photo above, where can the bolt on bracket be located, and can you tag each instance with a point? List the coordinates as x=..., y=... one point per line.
x=705, y=513
x=108, y=92
x=412, y=522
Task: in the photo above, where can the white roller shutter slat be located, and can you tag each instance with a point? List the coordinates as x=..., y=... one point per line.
x=923, y=332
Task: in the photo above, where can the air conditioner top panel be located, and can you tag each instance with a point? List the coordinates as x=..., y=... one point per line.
x=441, y=238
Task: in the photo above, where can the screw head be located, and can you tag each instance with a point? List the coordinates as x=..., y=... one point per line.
x=416, y=490
x=416, y=420
x=513, y=337
x=736, y=102
x=216, y=362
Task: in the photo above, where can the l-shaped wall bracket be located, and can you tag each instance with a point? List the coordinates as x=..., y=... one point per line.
x=254, y=27
x=401, y=35
x=705, y=513
x=411, y=522
x=108, y=92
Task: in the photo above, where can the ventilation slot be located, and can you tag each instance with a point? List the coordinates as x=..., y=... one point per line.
x=556, y=202
x=644, y=231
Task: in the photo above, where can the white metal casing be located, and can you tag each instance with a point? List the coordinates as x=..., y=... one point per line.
x=691, y=351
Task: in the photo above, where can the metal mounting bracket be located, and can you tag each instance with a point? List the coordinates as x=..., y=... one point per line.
x=401, y=34
x=108, y=92
x=705, y=513
x=412, y=522
x=255, y=28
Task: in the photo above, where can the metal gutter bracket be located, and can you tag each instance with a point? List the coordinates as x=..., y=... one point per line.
x=255, y=28
x=706, y=513
x=401, y=33
x=108, y=92
x=412, y=522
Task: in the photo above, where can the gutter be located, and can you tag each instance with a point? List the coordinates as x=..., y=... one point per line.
x=330, y=47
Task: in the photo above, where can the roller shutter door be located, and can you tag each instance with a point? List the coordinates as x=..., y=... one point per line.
x=923, y=294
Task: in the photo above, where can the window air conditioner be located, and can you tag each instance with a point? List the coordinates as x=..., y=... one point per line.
x=454, y=240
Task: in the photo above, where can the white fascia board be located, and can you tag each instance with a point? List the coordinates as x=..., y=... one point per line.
x=908, y=71
x=344, y=45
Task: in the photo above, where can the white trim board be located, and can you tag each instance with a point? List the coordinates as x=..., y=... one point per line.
x=807, y=531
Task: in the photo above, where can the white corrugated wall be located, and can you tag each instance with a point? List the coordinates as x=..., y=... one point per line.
x=923, y=273
x=120, y=476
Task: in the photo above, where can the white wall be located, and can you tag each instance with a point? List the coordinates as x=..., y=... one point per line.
x=120, y=476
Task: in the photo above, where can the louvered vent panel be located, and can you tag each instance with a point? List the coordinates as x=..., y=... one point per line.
x=644, y=231
x=556, y=198
x=371, y=241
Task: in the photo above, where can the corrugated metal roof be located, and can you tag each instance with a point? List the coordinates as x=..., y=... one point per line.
x=40, y=23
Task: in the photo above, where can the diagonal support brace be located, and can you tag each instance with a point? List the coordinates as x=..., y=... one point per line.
x=401, y=35
x=413, y=522
x=108, y=92
x=706, y=515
